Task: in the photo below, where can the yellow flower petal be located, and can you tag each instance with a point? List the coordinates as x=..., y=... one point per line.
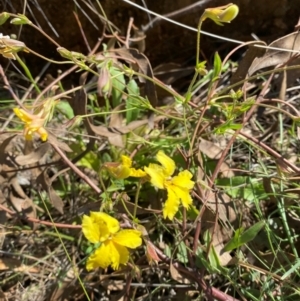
x=121, y=256
x=111, y=223
x=23, y=115
x=184, y=180
x=184, y=195
x=90, y=229
x=108, y=254
x=33, y=123
x=171, y=204
x=43, y=134
x=100, y=258
x=119, y=171
x=156, y=174
x=126, y=161
x=166, y=162
x=128, y=238
x=99, y=226
x=137, y=173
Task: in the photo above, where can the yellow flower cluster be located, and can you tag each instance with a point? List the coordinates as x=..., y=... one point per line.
x=104, y=229
x=178, y=187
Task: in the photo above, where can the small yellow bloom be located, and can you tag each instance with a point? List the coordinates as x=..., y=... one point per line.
x=33, y=123
x=124, y=170
x=100, y=227
x=178, y=187
x=221, y=14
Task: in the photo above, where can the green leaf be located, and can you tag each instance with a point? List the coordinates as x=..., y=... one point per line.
x=182, y=253
x=167, y=251
x=217, y=67
x=240, y=238
x=132, y=102
x=246, y=188
x=119, y=84
x=91, y=161
x=192, y=213
x=64, y=108
x=251, y=233
x=229, y=125
x=117, y=185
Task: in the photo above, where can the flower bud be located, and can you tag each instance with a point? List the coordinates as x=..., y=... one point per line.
x=221, y=14
x=104, y=83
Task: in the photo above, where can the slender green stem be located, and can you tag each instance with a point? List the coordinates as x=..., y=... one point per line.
x=27, y=72
x=66, y=252
x=189, y=91
x=198, y=42
x=47, y=59
x=126, y=209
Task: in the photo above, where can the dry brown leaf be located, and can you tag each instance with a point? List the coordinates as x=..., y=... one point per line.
x=16, y=265
x=218, y=243
x=26, y=206
x=277, y=57
x=212, y=151
x=65, y=287
x=113, y=285
x=177, y=276
x=20, y=201
x=62, y=145
x=46, y=183
x=244, y=65
x=34, y=156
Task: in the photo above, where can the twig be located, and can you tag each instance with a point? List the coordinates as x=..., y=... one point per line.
x=8, y=86
x=76, y=169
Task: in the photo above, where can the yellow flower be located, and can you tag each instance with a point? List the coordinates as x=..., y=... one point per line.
x=221, y=14
x=100, y=227
x=33, y=123
x=178, y=187
x=36, y=122
x=124, y=170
